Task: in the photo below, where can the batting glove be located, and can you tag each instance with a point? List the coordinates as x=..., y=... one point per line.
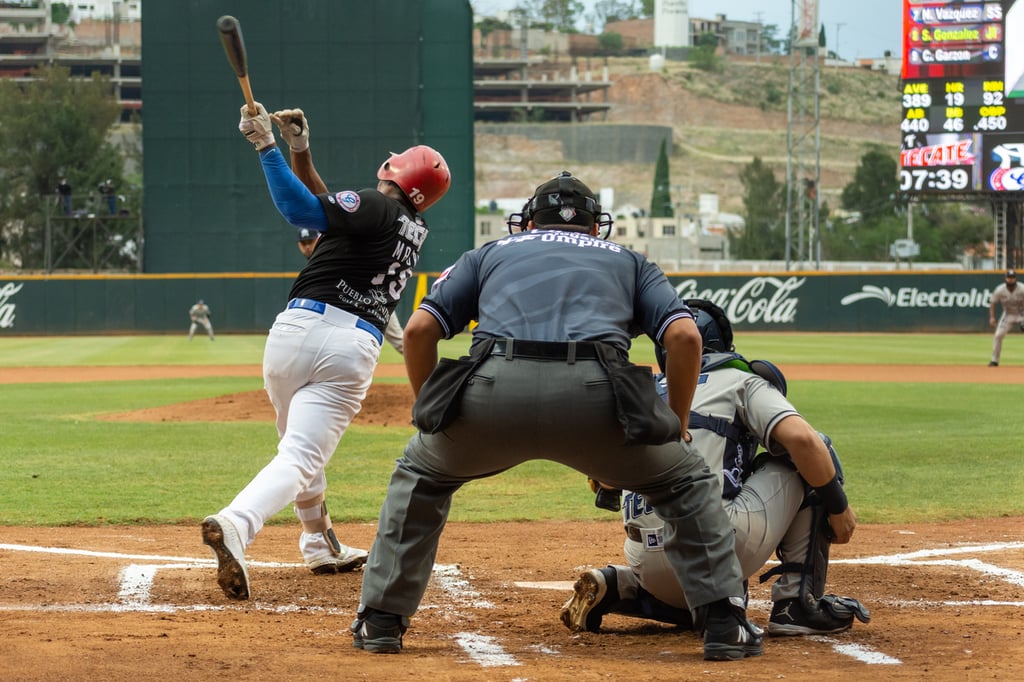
x=294, y=128
x=257, y=128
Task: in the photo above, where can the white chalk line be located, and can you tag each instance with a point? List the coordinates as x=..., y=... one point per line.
x=136, y=581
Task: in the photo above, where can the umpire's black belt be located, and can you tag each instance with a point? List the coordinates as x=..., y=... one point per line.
x=564, y=351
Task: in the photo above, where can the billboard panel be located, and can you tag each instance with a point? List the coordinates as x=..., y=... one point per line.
x=962, y=93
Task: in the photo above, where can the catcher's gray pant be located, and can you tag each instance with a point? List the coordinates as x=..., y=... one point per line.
x=520, y=410
x=766, y=514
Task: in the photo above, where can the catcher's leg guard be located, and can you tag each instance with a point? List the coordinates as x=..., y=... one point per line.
x=805, y=551
x=646, y=605
x=319, y=545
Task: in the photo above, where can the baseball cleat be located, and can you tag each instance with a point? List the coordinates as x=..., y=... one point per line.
x=350, y=559
x=378, y=632
x=728, y=635
x=583, y=611
x=326, y=556
x=232, y=573
x=790, y=618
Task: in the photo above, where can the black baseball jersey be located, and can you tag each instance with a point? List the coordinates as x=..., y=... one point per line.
x=375, y=241
x=554, y=285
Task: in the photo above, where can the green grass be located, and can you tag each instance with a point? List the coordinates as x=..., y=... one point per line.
x=912, y=452
x=784, y=348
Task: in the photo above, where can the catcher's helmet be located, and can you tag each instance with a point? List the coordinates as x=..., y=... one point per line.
x=713, y=325
x=715, y=328
x=421, y=172
x=562, y=200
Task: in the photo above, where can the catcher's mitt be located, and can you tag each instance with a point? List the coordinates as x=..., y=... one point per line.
x=605, y=498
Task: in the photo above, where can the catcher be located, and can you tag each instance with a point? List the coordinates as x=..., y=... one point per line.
x=199, y=316
x=789, y=499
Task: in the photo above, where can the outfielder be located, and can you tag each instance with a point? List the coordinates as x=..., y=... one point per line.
x=788, y=500
x=322, y=349
x=557, y=307
x=199, y=316
x=1011, y=297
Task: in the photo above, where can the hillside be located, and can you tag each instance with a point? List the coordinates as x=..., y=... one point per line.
x=720, y=122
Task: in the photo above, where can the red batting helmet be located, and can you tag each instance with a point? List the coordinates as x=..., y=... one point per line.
x=421, y=172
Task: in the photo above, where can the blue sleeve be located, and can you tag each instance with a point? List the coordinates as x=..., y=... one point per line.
x=294, y=201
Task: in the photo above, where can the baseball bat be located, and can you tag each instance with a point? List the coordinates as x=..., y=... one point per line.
x=234, y=48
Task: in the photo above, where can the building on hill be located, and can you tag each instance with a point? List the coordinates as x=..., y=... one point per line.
x=112, y=46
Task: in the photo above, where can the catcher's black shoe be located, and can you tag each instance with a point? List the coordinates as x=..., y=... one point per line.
x=592, y=596
x=831, y=614
x=728, y=635
x=378, y=632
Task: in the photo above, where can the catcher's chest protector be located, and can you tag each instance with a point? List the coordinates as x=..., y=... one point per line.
x=741, y=444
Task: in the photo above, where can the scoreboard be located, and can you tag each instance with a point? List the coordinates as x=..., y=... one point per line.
x=962, y=91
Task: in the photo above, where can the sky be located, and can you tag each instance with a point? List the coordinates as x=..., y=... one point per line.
x=859, y=28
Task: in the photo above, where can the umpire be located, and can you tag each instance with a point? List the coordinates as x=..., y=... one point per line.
x=548, y=377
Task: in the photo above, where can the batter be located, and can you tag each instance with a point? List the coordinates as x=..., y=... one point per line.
x=322, y=348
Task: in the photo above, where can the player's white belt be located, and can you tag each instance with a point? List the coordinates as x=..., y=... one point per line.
x=336, y=316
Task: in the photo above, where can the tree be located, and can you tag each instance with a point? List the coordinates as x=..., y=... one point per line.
x=559, y=15
x=611, y=43
x=615, y=10
x=50, y=126
x=763, y=214
x=705, y=55
x=872, y=192
x=661, y=197
x=770, y=41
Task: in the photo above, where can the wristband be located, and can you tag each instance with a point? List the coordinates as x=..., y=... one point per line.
x=262, y=142
x=832, y=496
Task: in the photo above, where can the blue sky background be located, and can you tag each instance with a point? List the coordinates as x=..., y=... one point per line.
x=865, y=28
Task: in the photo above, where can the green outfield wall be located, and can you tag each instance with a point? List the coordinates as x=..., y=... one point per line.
x=372, y=77
x=248, y=302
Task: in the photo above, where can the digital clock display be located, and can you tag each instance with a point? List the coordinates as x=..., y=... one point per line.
x=962, y=91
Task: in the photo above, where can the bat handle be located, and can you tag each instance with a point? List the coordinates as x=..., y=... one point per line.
x=247, y=91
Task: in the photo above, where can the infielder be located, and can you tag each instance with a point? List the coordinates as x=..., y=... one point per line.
x=322, y=349
x=199, y=316
x=557, y=307
x=1011, y=297
x=788, y=500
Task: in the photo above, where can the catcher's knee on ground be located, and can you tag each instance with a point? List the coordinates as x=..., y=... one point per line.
x=321, y=550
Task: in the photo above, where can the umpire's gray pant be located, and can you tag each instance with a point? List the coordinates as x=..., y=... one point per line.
x=519, y=410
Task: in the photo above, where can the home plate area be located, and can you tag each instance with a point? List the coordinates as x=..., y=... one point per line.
x=947, y=602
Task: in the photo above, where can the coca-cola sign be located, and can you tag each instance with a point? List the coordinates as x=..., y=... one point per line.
x=758, y=300
x=7, y=291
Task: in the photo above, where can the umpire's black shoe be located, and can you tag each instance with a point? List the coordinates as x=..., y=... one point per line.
x=378, y=632
x=592, y=596
x=728, y=635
